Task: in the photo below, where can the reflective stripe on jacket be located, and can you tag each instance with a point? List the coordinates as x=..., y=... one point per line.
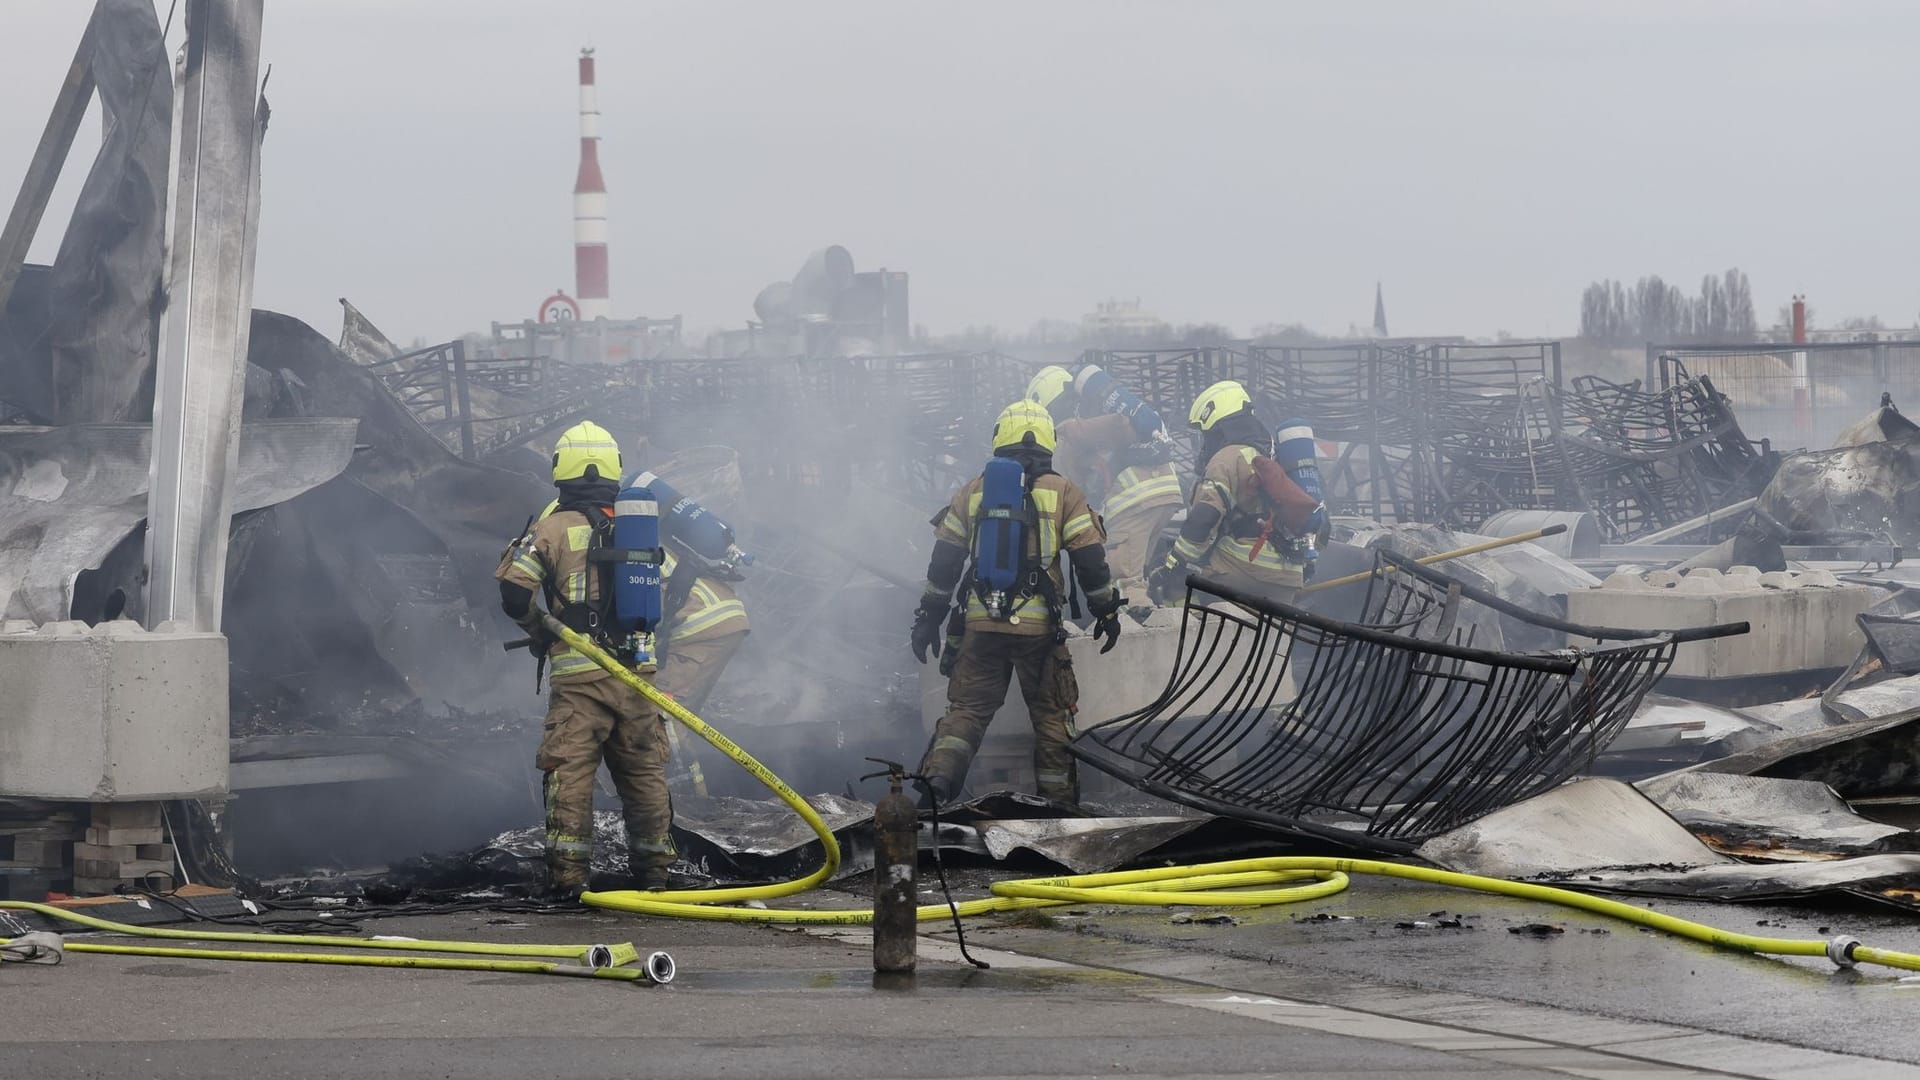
x=1065, y=523
x=1230, y=486
x=1140, y=487
x=711, y=610
x=554, y=552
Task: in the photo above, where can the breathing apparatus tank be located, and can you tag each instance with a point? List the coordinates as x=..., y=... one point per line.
x=1098, y=390
x=692, y=525
x=1000, y=539
x=636, y=556
x=1296, y=451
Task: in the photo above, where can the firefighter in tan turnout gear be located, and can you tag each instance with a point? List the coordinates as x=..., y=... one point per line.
x=705, y=622
x=590, y=714
x=1001, y=542
x=1115, y=447
x=1233, y=532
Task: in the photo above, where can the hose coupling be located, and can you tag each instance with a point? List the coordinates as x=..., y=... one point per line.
x=660, y=968
x=1840, y=950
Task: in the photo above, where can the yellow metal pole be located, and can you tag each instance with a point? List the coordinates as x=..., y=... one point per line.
x=1429, y=560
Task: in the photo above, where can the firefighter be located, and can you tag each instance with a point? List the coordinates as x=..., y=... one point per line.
x=590, y=714
x=1122, y=461
x=1017, y=630
x=706, y=623
x=1225, y=535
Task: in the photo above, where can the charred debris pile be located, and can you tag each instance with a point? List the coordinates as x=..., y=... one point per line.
x=360, y=600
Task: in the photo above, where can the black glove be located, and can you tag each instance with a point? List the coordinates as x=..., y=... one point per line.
x=543, y=640
x=926, y=626
x=1105, y=606
x=1164, y=581
x=956, y=629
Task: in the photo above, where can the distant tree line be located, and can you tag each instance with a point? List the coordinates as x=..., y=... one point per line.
x=1652, y=310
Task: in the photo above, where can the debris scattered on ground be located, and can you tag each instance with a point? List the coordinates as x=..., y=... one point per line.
x=1189, y=919
x=1474, y=730
x=1432, y=922
x=1537, y=929
x=1029, y=919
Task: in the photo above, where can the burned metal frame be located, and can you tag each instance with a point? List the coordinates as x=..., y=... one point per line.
x=941, y=406
x=1379, y=733
x=1354, y=399
x=1794, y=394
x=1443, y=432
x=1388, y=404
x=1455, y=433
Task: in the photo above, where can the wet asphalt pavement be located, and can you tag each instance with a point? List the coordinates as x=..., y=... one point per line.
x=1597, y=966
x=751, y=1002
x=1331, y=988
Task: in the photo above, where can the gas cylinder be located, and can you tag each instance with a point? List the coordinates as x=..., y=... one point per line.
x=636, y=559
x=896, y=876
x=1000, y=543
x=1297, y=452
x=687, y=522
x=1099, y=391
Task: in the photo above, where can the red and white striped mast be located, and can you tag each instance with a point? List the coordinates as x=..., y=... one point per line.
x=590, y=206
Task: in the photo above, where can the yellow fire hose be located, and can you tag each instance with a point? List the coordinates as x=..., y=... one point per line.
x=432, y=963
x=616, y=961
x=1240, y=882
x=620, y=954
x=1232, y=883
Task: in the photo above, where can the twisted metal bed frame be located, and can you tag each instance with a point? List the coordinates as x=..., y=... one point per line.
x=1380, y=733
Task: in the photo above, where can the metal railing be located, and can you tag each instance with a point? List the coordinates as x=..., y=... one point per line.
x=1383, y=732
x=1442, y=432
x=1795, y=395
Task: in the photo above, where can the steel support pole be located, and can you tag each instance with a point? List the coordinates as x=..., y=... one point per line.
x=461, y=399
x=201, y=372
x=1802, y=376
x=36, y=188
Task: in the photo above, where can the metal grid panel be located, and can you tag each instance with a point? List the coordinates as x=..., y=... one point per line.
x=1480, y=370
x=1798, y=395
x=1169, y=379
x=1381, y=733
x=1330, y=385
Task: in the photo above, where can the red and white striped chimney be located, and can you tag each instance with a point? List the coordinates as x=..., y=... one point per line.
x=590, y=205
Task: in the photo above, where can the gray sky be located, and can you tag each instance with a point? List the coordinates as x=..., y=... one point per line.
x=1239, y=161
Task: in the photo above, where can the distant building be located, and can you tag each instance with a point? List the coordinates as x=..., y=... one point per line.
x=1120, y=319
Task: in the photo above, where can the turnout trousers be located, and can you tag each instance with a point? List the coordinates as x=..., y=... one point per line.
x=1273, y=583
x=1130, y=538
x=586, y=722
x=987, y=663
x=689, y=672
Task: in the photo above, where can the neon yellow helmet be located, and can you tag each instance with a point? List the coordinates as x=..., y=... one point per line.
x=1217, y=402
x=586, y=446
x=1022, y=423
x=1048, y=386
